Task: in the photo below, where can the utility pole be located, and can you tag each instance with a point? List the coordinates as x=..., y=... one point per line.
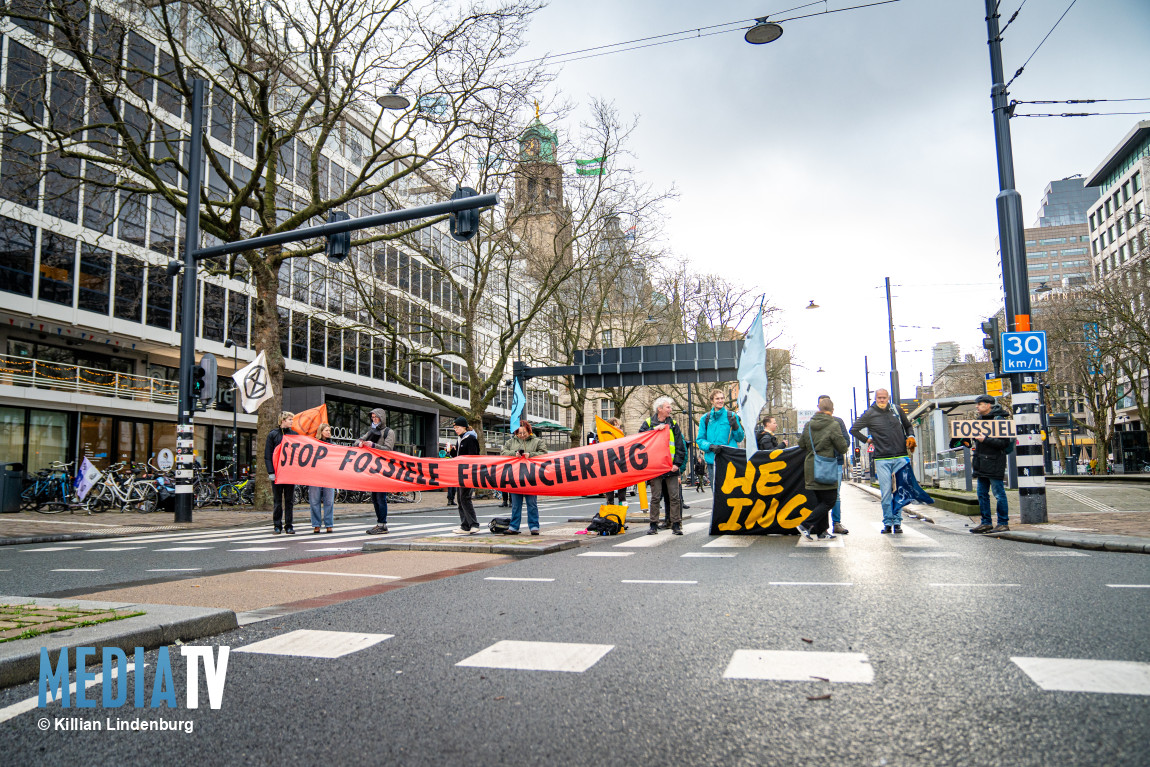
x=1011, y=240
x=895, y=396
x=866, y=375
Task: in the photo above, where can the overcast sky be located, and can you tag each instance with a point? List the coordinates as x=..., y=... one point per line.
x=857, y=146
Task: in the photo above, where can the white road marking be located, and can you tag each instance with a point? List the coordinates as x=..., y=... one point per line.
x=321, y=572
x=1055, y=554
x=79, y=570
x=1115, y=677
x=352, y=548
x=187, y=548
x=530, y=580
x=120, y=548
x=800, y=666
x=647, y=541
x=53, y=548
x=681, y=583
x=929, y=554
x=31, y=704
x=310, y=643
x=807, y=583
x=975, y=585
x=694, y=527
x=538, y=656
x=1128, y=585
x=833, y=543
x=731, y=542
x=910, y=537
x=606, y=554
x=261, y=548
x=709, y=554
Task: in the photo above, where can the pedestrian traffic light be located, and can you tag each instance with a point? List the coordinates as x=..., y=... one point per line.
x=204, y=380
x=338, y=246
x=990, y=342
x=198, y=376
x=465, y=223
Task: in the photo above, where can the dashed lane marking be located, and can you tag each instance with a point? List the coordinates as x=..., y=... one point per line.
x=647, y=541
x=187, y=548
x=119, y=548
x=311, y=643
x=673, y=583
x=527, y=580
x=929, y=554
x=1055, y=554
x=710, y=554
x=1128, y=585
x=731, y=542
x=807, y=583
x=53, y=548
x=1114, y=677
x=975, y=585
x=538, y=656
x=79, y=570
x=800, y=666
x=606, y=554
x=260, y=548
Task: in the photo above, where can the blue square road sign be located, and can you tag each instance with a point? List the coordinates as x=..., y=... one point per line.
x=1024, y=352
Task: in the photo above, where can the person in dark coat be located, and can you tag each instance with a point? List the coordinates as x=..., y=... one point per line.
x=452, y=452
x=668, y=484
x=824, y=436
x=766, y=435
x=282, y=495
x=887, y=429
x=988, y=464
x=381, y=437
x=468, y=445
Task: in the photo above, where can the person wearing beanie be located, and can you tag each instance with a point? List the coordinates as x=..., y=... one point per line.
x=988, y=464
x=468, y=445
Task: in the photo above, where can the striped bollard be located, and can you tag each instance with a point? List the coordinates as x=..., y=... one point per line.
x=1028, y=454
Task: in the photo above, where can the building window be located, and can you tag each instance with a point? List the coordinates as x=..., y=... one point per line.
x=365, y=354
x=334, y=345
x=62, y=187
x=1054, y=241
x=26, y=81
x=17, y=255
x=605, y=339
x=238, y=317
x=57, y=264
x=99, y=199
x=1074, y=252
x=159, y=298
x=299, y=336
x=318, y=341
x=163, y=235
x=129, y=288
x=283, y=317
x=606, y=409
x=1136, y=180
x=133, y=217
x=20, y=170
x=215, y=304
x=95, y=278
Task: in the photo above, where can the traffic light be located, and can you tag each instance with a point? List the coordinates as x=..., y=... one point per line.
x=204, y=380
x=990, y=342
x=338, y=246
x=198, y=376
x=465, y=223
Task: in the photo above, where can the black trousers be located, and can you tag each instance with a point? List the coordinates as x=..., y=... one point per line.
x=282, y=498
x=819, y=520
x=617, y=497
x=467, y=518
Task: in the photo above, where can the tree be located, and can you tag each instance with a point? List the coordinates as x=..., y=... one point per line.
x=292, y=90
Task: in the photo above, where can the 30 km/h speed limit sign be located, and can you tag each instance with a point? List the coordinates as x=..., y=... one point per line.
x=1024, y=352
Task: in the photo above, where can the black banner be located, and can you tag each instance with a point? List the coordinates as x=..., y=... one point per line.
x=766, y=496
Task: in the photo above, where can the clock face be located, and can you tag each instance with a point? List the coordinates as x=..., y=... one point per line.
x=533, y=147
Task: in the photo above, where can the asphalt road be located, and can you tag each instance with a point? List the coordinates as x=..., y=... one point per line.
x=927, y=638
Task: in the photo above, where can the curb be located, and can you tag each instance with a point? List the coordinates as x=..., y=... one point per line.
x=160, y=625
x=506, y=549
x=1124, y=543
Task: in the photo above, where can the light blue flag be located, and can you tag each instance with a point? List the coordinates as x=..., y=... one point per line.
x=753, y=379
x=518, y=400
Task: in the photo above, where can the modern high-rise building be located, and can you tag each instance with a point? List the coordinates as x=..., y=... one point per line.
x=941, y=355
x=1066, y=202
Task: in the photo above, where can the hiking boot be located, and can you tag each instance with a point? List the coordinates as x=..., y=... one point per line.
x=378, y=530
x=898, y=529
x=654, y=529
x=1001, y=529
x=664, y=525
x=685, y=506
x=839, y=529
x=277, y=531
x=885, y=530
x=289, y=531
x=676, y=530
x=509, y=531
x=981, y=529
x=535, y=531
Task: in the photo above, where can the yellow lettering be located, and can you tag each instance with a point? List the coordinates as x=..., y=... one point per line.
x=737, y=505
x=776, y=453
x=785, y=520
x=744, y=483
x=769, y=478
x=758, y=517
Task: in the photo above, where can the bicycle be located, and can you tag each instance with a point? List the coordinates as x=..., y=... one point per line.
x=51, y=492
x=485, y=494
x=114, y=490
x=406, y=496
x=238, y=492
x=352, y=496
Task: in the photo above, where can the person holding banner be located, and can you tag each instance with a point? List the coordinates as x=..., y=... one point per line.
x=468, y=445
x=718, y=427
x=617, y=497
x=668, y=484
x=822, y=438
x=525, y=445
x=381, y=437
x=282, y=494
x=321, y=498
x=988, y=465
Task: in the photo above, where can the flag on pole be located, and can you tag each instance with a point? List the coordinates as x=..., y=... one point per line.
x=753, y=379
x=308, y=421
x=254, y=384
x=518, y=401
x=86, y=479
x=630, y=233
x=606, y=431
x=592, y=167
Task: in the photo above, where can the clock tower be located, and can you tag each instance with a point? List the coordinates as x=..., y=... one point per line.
x=537, y=213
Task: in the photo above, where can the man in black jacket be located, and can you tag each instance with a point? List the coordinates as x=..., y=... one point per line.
x=282, y=495
x=468, y=445
x=988, y=464
x=766, y=436
x=381, y=437
x=888, y=428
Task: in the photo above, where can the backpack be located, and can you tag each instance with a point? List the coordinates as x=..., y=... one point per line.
x=605, y=525
x=499, y=524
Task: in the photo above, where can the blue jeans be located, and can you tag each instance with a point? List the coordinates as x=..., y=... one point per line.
x=324, y=496
x=517, y=511
x=379, y=501
x=837, y=509
x=884, y=469
x=985, y=488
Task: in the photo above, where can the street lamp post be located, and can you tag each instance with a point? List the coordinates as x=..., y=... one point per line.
x=895, y=395
x=230, y=344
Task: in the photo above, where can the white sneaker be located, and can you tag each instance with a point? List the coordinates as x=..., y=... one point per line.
x=474, y=531
x=460, y=531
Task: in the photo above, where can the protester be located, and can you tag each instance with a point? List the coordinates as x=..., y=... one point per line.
x=825, y=436
x=988, y=464
x=767, y=439
x=667, y=484
x=468, y=445
x=451, y=453
x=282, y=495
x=617, y=497
x=888, y=428
x=381, y=437
x=324, y=496
x=524, y=444
x=717, y=428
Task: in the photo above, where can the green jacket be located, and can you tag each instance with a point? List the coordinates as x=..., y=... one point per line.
x=531, y=446
x=824, y=436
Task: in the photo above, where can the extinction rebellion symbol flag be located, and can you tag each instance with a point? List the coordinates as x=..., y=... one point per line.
x=253, y=384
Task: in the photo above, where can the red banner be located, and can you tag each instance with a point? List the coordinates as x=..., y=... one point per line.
x=589, y=470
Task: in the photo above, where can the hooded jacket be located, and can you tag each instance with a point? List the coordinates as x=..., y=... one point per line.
x=888, y=428
x=719, y=428
x=823, y=435
x=382, y=436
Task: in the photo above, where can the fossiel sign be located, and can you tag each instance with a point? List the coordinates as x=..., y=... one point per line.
x=994, y=427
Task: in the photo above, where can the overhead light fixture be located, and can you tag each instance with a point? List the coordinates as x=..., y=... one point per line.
x=812, y=305
x=393, y=100
x=763, y=32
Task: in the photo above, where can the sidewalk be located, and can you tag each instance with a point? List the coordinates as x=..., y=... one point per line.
x=1098, y=531
x=32, y=527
